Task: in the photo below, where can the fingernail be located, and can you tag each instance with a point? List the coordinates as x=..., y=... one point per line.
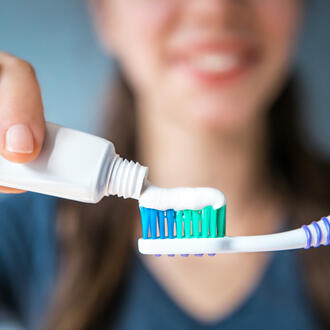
x=19, y=139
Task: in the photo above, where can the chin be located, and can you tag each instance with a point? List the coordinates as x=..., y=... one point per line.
x=221, y=117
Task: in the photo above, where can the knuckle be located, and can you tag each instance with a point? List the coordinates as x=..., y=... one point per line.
x=22, y=65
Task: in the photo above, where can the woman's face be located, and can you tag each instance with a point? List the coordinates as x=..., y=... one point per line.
x=216, y=63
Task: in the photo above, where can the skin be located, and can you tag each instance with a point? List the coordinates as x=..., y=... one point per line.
x=20, y=103
x=191, y=132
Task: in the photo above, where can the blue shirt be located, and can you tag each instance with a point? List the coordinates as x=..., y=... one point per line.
x=28, y=264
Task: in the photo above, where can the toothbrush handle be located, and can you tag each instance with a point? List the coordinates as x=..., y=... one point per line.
x=313, y=235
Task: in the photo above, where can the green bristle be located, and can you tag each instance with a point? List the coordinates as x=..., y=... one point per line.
x=179, y=222
x=221, y=222
x=187, y=223
x=201, y=223
x=213, y=223
x=206, y=213
x=196, y=217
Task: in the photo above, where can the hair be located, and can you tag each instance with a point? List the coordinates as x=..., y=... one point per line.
x=95, y=240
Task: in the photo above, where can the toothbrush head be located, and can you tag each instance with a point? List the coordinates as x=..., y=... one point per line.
x=181, y=232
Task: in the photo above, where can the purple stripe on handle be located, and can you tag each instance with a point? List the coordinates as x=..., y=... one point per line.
x=327, y=225
x=318, y=233
x=308, y=236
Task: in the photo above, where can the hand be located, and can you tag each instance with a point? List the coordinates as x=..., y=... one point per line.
x=22, y=122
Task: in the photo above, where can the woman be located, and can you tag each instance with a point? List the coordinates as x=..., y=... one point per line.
x=206, y=98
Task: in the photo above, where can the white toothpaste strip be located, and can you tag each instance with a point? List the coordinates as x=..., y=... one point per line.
x=181, y=198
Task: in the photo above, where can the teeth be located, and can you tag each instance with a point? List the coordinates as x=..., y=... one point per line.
x=215, y=63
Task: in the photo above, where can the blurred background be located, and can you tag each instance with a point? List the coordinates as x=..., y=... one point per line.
x=57, y=38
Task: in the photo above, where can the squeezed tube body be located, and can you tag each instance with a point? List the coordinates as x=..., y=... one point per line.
x=73, y=165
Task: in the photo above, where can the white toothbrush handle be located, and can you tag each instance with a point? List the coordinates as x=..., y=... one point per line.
x=314, y=235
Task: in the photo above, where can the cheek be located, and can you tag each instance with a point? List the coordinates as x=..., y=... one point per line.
x=139, y=30
x=148, y=16
x=147, y=19
x=278, y=24
x=279, y=21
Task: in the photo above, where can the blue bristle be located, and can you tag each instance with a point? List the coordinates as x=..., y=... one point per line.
x=170, y=223
x=149, y=221
x=153, y=223
x=145, y=222
x=161, y=224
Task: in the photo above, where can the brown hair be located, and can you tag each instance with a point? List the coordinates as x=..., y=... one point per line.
x=95, y=239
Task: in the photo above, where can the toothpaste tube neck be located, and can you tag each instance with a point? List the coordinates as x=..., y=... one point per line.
x=126, y=178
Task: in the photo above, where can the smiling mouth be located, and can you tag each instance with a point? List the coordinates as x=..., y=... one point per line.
x=216, y=64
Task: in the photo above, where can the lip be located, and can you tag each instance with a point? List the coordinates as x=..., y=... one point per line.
x=229, y=45
x=247, y=53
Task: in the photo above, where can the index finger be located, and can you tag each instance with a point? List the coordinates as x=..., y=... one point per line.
x=22, y=122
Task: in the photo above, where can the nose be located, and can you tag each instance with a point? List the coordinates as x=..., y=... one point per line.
x=203, y=13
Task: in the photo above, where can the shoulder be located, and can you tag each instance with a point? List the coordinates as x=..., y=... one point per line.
x=26, y=207
x=28, y=249
x=27, y=220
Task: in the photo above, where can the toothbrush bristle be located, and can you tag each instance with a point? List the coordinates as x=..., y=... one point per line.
x=204, y=223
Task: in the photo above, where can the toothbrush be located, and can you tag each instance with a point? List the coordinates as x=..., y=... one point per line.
x=202, y=232
x=82, y=167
